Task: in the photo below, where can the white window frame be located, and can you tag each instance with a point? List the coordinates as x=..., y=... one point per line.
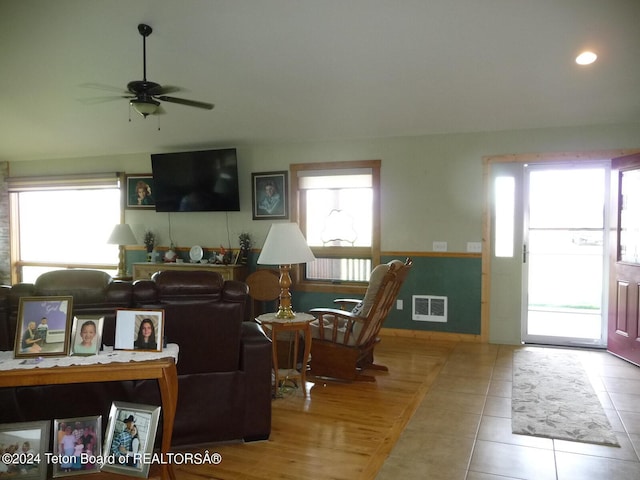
x=298, y=207
x=17, y=185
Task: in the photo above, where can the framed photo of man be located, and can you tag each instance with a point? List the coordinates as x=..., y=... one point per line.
x=270, y=194
x=139, y=329
x=129, y=438
x=140, y=191
x=43, y=326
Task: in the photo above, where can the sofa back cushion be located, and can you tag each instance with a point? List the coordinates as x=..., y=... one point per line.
x=208, y=335
x=91, y=289
x=182, y=286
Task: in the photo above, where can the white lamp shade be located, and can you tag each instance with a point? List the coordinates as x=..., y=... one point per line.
x=285, y=245
x=122, y=235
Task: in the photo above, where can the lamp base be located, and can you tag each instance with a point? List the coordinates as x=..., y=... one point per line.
x=285, y=312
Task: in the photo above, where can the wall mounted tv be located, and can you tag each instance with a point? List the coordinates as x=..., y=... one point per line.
x=200, y=181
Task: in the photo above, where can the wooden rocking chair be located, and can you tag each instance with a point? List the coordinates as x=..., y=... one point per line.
x=343, y=340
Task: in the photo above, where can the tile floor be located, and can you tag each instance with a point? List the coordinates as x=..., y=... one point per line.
x=462, y=428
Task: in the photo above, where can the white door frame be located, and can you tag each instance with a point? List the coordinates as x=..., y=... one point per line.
x=500, y=316
x=557, y=339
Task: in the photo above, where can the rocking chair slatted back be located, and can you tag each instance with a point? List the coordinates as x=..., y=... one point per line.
x=343, y=336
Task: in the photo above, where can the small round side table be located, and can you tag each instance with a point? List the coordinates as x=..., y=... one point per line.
x=300, y=325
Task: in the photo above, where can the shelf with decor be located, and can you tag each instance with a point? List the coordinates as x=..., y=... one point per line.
x=144, y=271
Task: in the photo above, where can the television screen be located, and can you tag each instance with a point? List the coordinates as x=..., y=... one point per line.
x=201, y=181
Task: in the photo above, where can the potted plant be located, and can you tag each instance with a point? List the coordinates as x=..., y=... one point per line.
x=149, y=243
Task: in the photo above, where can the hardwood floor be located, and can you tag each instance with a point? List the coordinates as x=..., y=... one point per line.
x=342, y=430
x=454, y=400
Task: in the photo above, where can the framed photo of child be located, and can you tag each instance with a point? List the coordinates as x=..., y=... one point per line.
x=24, y=447
x=77, y=442
x=139, y=329
x=129, y=438
x=86, y=336
x=43, y=326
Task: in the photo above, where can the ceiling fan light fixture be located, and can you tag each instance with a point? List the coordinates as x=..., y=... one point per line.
x=144, y=107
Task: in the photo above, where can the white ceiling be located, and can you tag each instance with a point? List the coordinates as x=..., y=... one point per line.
x=295, y=70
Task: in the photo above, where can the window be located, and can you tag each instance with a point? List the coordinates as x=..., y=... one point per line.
x=504, y=216
x=339, y=214
x=63, y=222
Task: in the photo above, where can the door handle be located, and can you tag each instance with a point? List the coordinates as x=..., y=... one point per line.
x=524, y=253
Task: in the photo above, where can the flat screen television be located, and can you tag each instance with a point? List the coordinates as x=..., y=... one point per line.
x=200, y=181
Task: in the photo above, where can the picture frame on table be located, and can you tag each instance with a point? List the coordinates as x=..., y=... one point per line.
x=25, y=447
x=43, y=326
x=270, y=195
x=86, y=335
x=77, y=442
x=129, y=438
x=139, y=191
x=139, y=329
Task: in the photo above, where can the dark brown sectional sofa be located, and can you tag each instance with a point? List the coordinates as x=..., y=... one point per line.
x=224, y=364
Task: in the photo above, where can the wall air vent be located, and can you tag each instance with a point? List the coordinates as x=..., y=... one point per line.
x=429, y=308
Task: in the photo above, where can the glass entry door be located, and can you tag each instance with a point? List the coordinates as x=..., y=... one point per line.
x=564, y=256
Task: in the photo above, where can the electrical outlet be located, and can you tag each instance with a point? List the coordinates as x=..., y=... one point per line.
x=474, y=247
x=439, y=246
x=399, y=304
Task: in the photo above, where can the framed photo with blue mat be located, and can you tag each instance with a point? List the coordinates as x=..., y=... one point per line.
x=43, y=326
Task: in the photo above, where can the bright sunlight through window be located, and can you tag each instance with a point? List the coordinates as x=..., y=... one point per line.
x=504, y=216
x=70, y=226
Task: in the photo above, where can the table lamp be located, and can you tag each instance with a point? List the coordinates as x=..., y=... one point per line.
x=285, y=245
x=121, y=236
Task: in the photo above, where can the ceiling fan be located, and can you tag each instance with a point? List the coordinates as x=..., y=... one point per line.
x=145, y=96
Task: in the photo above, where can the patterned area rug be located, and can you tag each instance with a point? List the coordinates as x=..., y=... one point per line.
x=553, y=398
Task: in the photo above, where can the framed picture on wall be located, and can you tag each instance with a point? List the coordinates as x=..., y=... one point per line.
x=140, y=191
x=43, y=326
x=270, y=195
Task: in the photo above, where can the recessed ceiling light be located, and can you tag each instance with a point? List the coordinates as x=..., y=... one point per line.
x=586, y=58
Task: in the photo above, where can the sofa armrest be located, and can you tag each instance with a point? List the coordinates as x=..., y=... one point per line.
x=256, y=364
x=119, y=294
x=235, y=291
x=145, y=292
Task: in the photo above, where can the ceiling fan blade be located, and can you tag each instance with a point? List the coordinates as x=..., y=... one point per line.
x=100, y=86
x=184, y=101
x=163, y=90
x=96, y=100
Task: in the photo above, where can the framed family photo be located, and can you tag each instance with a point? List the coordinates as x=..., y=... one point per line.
x=129, y=437
x=140, y=191
x=139, y=329
x=86, y=335
x=24, y=447
x=270, y=195
x=78, y=443
x=43, y=326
